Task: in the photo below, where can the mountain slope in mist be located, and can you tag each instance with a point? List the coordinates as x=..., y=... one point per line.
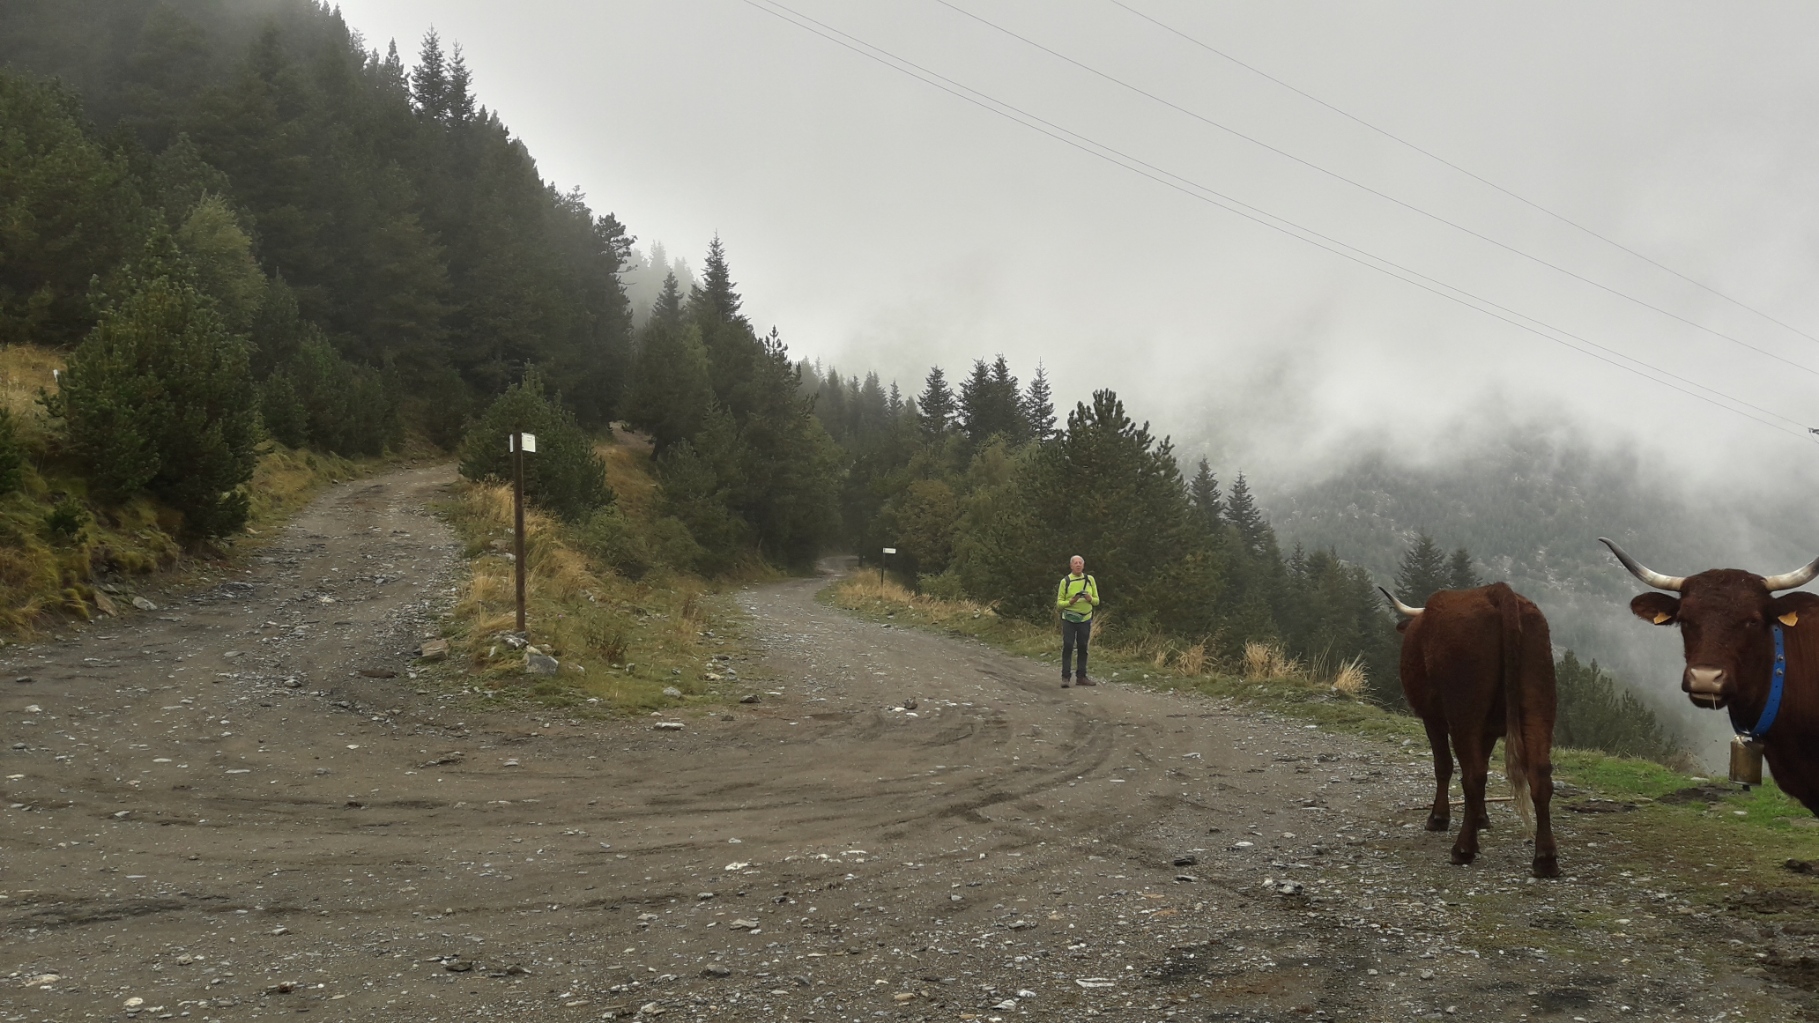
x=1530, y=504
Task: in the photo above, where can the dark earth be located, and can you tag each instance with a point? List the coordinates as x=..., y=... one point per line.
x=222, y=809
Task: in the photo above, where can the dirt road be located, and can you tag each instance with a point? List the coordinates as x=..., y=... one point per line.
x=213, y=814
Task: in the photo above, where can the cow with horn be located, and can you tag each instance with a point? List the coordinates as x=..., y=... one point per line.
x=1753, y=651
x=1477, y=665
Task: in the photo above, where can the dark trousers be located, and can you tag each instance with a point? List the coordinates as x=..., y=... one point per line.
x=1072, y=634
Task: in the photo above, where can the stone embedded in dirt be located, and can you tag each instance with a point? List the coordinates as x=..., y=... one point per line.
x=715, y=970
x=459, y=966
x=378, y=673
x=513, y=640
x=744, y=925
x=1186, y=861
x=540, y=664
x=1243, y=845
x=668, y=726
x=1095, y=982
x=144, y=605
x=451, y=757
x=433, y=650
x=910, y=996
x=672, y=692
x=1005, y=1006
x=1022, y=925
x=1801, y=866
x=23, y=680
x=749, y=698
x=105, y=604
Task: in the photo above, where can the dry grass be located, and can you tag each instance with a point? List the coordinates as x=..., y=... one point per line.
x=1267, y=661
x=1351, y=677
x=1192, y=661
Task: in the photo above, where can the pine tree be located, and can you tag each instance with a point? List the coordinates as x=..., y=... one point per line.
x=668, y=307
x=1459, y=572
x=429, y=80
x=158, y=398
x=716, y=298
x=937, y=405
x=1039, y=407
x=1242, y=512
x=1203, y=491
x=1423, y=572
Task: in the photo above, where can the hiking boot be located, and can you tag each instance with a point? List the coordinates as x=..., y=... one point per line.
x=1082, y=680
x=1064, y=681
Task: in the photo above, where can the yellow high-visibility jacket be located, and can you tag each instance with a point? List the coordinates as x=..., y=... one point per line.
x=1071, y=587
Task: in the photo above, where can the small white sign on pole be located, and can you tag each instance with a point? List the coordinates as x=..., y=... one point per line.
x=890, y=550
x=530, y=443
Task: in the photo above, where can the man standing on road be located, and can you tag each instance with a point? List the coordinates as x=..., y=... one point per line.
x=1077, y=596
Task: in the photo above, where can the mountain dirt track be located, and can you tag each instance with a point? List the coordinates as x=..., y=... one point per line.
x=213, y=811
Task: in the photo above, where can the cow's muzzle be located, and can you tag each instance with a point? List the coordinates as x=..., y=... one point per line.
x=1706, y=687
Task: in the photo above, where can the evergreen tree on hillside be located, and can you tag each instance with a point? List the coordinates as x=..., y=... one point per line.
x=1423, y=572
x=937, y=405
x=158, y=398
x=1039, y=407
x=69, y=212
x=671, y=391
x=1106, y=489
x=1247, y=519
x=1203, y=492
x=990, y=405
x=715, y=297
x=1598, y=712
x=668, y=307
x=1459, y=572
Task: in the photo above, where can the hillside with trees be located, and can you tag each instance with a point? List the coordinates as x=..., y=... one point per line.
x=237, y=229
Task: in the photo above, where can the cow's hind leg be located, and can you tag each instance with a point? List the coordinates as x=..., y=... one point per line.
x=1539, y=765
x=1440, y=816
x=1474, y=766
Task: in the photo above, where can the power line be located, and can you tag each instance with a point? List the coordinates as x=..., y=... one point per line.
x=1455, y=225
x=1443, y=161
x=1283, y=225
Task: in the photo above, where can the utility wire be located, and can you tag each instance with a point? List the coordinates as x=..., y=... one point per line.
x=1774, y=421
x=1443, y=161
x=1455, y=225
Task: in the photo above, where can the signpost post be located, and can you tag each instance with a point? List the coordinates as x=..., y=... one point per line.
x=888, y=551
x=520, y=442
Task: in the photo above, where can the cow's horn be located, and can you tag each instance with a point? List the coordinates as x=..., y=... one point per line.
x=1798, y=577
x=1650, y=576
x=1402, y=609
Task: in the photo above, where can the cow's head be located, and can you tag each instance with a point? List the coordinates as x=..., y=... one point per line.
x=1725, y=616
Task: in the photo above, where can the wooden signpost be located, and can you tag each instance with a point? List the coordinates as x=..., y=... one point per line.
x=519, y=443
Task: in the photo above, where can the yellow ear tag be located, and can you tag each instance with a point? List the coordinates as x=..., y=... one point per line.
x=1662, y=617
x=1790, y=619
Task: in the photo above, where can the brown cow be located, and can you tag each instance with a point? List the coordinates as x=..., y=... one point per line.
x=1728, y=622
x=1477, y=665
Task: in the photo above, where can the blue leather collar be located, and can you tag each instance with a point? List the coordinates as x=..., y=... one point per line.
x=1777, y=681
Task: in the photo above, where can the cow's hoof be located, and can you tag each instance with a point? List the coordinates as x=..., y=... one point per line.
x=1438, y=823
x=1547, y=866
x=1460, y=859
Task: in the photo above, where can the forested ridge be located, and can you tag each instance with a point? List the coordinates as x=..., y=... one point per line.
x=242, y=224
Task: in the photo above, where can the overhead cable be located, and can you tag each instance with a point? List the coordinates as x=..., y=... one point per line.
x=1335, y=175
x=1481, y=179
x=1603, y=353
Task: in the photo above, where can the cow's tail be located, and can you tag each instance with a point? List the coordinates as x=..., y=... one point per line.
x=1509, y=606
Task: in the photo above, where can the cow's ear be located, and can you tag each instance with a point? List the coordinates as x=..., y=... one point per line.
x=1402, y=624
x=1792, y=608
x=1655, y=608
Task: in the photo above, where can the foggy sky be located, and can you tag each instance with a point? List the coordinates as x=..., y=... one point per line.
x=882, y=224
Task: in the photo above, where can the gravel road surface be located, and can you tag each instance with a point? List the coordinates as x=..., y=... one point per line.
x=221, y=809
